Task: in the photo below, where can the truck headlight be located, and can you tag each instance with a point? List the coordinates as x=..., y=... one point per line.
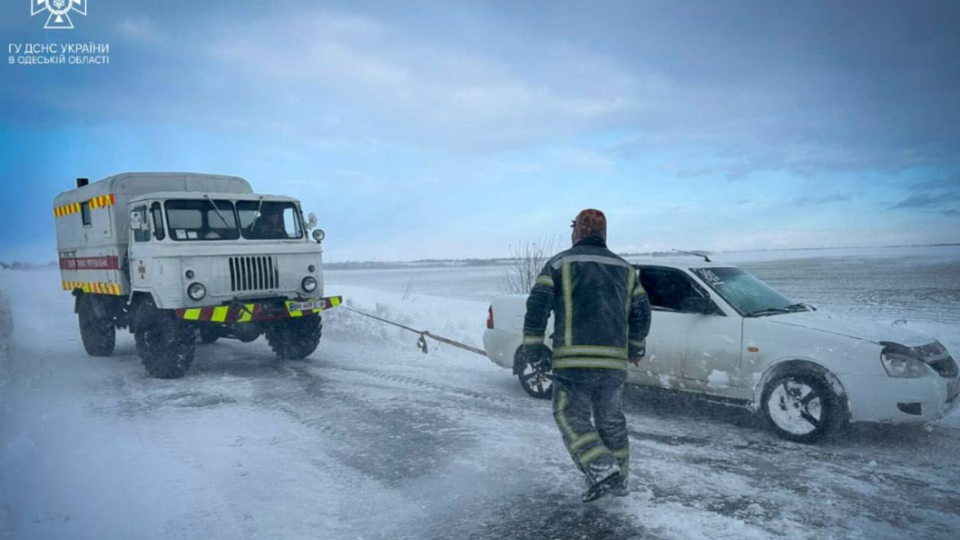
x=319, y=235
x=309, y=284
x=903, y=366
x=196, y=291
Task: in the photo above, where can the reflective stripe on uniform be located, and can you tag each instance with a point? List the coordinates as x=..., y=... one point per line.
x=592, y=454
x=623, y=459
x=584, y=440
x=562, y=401
x=641, y=343
x=533, y=340
x=545, y=280
x=567, y=302
x=590, y=258
x=586, y=362
x=590, y=350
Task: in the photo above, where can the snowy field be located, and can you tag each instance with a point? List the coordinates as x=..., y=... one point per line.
x=371, y=439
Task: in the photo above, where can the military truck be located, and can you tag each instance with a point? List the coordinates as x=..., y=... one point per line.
x=178, y=258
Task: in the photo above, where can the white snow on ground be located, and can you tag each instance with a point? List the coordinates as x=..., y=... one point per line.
x=370, y=438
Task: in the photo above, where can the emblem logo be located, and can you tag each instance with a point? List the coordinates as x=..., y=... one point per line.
x=59, y=18
x=142, y=270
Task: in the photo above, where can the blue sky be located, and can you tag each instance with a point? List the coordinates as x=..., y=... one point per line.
x=453, y=129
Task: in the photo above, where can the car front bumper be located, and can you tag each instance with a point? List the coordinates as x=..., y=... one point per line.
x=879, y=398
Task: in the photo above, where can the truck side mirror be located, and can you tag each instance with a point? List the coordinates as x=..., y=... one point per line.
x=311, y=221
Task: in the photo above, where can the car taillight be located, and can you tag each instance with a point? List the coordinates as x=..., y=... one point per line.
x=490, y=317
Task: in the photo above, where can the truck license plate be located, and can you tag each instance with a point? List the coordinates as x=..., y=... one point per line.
x=306, y=306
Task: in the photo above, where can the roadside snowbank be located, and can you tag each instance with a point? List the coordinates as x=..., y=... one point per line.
x=460, y=320
x=6, y=334
x=6, y=326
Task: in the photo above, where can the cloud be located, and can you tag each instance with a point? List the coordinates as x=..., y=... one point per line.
x=837, y=197
x=927, y=200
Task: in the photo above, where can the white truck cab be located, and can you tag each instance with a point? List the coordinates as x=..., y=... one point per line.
x=174, y=256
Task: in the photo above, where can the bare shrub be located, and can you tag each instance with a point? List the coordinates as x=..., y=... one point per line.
x=526, y=261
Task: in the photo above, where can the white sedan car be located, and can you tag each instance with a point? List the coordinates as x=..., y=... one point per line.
x=720, y=332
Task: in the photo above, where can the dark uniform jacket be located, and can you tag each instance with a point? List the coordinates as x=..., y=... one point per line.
x=601, y=312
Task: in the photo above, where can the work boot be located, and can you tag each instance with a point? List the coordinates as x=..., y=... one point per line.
x=621, y=489
x=602, y=484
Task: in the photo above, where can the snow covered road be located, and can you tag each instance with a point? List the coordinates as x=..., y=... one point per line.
x=368, y=438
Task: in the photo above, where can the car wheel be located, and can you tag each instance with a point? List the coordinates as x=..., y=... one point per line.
x=535, y=382
x=801, y=407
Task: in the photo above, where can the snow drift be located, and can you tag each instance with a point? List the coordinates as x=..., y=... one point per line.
x=6, y=327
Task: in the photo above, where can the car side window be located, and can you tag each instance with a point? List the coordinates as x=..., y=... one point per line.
x=157, y=212
x=670, y=290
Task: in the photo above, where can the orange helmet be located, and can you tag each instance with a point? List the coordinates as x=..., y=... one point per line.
x=589, y=222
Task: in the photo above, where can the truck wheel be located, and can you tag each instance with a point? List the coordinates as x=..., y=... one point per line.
x=801, y=407
x=295, y=338
x=97, y=329
x=166, y=345
x=209, y=334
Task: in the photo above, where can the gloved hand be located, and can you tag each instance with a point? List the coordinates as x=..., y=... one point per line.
x=538, y=356
x=637, y=354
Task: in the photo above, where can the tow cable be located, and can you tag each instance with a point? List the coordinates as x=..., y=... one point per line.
x=424, y=334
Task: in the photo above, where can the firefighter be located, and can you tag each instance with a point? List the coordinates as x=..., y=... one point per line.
x=601, y=321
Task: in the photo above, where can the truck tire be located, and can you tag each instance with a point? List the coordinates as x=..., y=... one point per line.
x=97, y=329
x=295, y=338
x=209, y=334
x=801, y=407
x=166, y=345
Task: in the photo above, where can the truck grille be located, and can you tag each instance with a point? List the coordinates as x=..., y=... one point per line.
x=254, y=273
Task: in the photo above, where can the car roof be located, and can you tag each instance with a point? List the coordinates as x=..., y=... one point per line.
x=680, y=262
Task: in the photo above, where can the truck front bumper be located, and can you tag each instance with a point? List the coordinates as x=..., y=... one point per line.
x=242, y=312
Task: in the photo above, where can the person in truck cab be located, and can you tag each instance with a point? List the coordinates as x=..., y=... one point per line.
x=270, y=227
x=601, y=321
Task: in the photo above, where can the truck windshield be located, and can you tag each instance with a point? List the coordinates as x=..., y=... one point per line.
x=277, y=220
x=746, y=293
x=197, y=220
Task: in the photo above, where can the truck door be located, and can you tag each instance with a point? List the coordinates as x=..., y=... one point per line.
x=146, y=225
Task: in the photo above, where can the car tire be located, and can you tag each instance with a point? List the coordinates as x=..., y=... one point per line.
x=801, y=407
x=166, y=345
x=534, y=381
x=295, y=338
x=98, y=332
